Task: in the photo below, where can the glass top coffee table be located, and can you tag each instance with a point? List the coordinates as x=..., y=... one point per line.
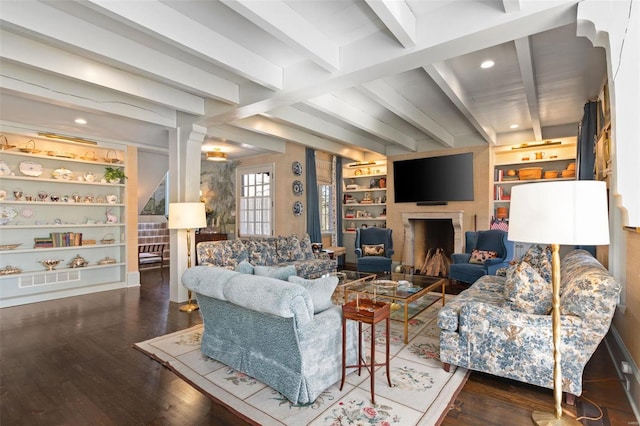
x=348, y=278
x=399, y=289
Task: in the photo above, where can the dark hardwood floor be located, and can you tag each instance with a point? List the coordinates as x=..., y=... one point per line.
x=71, y=362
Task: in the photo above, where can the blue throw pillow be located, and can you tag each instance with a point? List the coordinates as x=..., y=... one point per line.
x=320, y=290
x=281, y=273
x=244, y=267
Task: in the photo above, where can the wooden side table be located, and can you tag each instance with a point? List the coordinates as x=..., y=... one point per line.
x=369, y=312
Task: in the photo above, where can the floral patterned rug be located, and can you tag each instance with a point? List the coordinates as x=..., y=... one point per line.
x=422, y=393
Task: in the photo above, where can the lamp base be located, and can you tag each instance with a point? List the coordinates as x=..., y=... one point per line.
x=189, y=307
x=542, y=418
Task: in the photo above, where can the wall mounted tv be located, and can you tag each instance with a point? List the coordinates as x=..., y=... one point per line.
x=434, y=180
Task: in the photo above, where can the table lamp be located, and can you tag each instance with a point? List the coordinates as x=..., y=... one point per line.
x=187, y=216
x=555, y=213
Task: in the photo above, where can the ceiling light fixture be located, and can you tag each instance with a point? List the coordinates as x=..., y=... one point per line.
x=80, y=121
x=66, y=138
x=217, y=156
x=487, y=64
x=514, y=126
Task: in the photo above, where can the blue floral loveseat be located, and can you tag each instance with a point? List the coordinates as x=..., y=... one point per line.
x=501, y=325
x=276, y=251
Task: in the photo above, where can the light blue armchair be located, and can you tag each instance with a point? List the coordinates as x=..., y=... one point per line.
x=374, y=248
x=493, y=240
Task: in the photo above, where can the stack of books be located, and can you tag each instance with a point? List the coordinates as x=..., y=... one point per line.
x=59, y=239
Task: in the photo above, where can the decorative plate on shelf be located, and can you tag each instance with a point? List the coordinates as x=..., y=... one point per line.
x=9, y=246
x=7, y=214
x=4, y=169
x=298, y=188
x=297, y=208
x=30, y=168
x=296, y=168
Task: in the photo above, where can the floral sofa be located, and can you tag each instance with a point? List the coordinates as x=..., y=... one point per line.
x=286, y=334
x=501, y=325
x=276, y=251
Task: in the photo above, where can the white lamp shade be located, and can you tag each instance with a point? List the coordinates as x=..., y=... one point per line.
x=569, y=213
x=187, y=215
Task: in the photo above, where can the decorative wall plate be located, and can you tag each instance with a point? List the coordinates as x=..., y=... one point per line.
x=298, y=188
x=26, y=212
x=4, y=169
x=30, y=168
x=297, y=208
x=7, y=214
x=296, y=168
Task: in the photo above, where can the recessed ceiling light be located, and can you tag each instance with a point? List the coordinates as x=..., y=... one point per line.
x=514, y=126
x=487, y=64
x=80, y=121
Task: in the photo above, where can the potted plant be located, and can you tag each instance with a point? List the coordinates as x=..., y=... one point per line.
x=114, y=174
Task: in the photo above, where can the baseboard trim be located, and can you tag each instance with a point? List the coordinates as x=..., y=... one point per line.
x=619, y=353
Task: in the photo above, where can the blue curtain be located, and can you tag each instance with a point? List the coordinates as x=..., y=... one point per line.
x=313, y=206
x=339, y=200
x=586, y=135
x=586, y=153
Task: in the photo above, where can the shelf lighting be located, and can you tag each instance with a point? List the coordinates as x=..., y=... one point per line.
x=536, y=145
x=66, y=138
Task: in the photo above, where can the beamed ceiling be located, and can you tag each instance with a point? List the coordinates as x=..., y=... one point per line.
x=345, y=76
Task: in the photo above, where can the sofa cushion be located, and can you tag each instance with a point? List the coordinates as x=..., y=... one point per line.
x=279, y=272
x=526, y=291
x=244, y=267
x=373, y=249
x=262, y=251
x=288, y=249
x=479, y=256
x=307, y=248
x=539, y=257
x=320, y=290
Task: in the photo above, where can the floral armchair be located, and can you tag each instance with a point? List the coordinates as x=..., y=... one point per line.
x=502, y=328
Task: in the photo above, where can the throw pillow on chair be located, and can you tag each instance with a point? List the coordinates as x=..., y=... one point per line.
x=480, y=256
x=373, y=250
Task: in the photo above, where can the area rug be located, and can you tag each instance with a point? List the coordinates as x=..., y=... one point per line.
x=422, y=391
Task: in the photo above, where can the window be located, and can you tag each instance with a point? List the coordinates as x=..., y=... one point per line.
x=325, y=193
x=255, y=211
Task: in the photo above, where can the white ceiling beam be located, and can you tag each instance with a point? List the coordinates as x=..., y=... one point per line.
x=285, y=24
x=398, y=18
x=311, y=123
x=34, y=84
x=525, y=61
x=50, y=23
x=446, y=79
x=247, y=138
x=267, y=127
x=159, y=19
x=386, y=96
x=511, y=6
x=375, y=57
x=335, y=107
x=37, y=55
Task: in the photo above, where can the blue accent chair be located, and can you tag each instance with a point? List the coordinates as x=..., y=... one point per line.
x=374, y=236
x=492, y=240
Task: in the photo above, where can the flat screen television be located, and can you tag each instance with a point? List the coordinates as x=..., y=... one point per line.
x=434, y=180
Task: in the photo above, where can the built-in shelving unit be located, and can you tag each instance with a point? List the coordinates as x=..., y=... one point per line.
x=557, y=155
x=55, y=204
x=365, y=196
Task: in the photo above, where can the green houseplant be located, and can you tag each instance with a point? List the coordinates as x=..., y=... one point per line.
x=114, y=174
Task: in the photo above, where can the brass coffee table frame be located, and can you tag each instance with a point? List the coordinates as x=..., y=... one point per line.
x=398, y=295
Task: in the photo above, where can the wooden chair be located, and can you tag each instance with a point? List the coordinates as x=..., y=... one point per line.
x=151, y=254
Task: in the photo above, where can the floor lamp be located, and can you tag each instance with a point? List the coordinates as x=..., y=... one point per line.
x=570, y=213
x=187, y=216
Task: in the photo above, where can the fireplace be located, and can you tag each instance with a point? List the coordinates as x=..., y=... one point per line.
x=431, y=230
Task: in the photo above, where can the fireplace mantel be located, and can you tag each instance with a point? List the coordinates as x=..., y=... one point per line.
x=407, y=222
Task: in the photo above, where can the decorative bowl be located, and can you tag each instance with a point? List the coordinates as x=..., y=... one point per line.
x=62, y=173
x=50, y=264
